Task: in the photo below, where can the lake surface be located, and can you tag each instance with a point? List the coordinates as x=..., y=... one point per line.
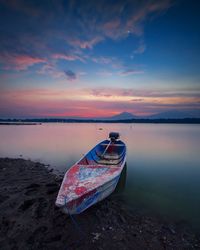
x=163, y=160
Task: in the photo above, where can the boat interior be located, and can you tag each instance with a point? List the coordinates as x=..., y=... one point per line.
x=107, y=152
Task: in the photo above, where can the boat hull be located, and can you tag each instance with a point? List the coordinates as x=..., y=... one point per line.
x=80, y=204
x=92, y=178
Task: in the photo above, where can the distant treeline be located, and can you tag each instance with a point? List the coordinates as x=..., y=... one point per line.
x=61, y=120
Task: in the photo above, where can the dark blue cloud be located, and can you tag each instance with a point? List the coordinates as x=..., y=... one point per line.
x=70, y=75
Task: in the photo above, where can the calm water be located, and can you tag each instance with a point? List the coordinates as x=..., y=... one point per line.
x=163, y=160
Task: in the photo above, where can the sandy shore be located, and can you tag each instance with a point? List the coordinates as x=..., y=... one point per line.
x=30, y=220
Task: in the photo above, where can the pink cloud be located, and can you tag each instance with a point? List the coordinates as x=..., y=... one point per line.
x=134, y=23
x=113, y=28
x=113, y=24
x=67, y=57
x=19, y=62
x=51, y=70
x=85, y=44
x=193, y=95
x=160, y=5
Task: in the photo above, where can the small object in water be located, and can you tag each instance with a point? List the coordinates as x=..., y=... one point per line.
x=93, y=177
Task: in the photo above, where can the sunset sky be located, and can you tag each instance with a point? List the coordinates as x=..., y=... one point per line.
x=98, y=58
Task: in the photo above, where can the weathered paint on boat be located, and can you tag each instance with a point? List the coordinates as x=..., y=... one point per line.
x=92, y=178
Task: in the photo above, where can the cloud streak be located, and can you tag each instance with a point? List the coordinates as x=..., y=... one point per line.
x=19, y=62
x=140, y=49
x=67, y=57
x=131, y=72
x=147, y=92
x=83, y=43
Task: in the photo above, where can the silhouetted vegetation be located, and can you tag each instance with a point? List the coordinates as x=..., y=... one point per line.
x=35, y=121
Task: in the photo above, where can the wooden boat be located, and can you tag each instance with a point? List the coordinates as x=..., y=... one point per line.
x=93, y=177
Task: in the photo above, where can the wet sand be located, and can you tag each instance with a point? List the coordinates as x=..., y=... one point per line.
x=30, y=220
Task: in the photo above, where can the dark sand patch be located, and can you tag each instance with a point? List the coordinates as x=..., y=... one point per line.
x=30, y=220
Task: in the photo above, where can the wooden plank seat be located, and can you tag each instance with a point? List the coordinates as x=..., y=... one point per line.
x=108, y=162
x=109, y=156
x=112, y=156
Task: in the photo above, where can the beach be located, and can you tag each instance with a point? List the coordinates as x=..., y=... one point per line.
x=30, y=220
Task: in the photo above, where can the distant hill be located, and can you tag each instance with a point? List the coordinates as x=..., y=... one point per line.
x=172, y=114
x=175, y=114
x=123, y=116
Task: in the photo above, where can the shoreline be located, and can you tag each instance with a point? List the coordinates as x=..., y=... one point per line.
x=30, y=220
x=20, y=123
x=125, y=121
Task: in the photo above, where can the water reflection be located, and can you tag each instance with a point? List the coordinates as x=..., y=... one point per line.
x=122, y=181
x=163, y=159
